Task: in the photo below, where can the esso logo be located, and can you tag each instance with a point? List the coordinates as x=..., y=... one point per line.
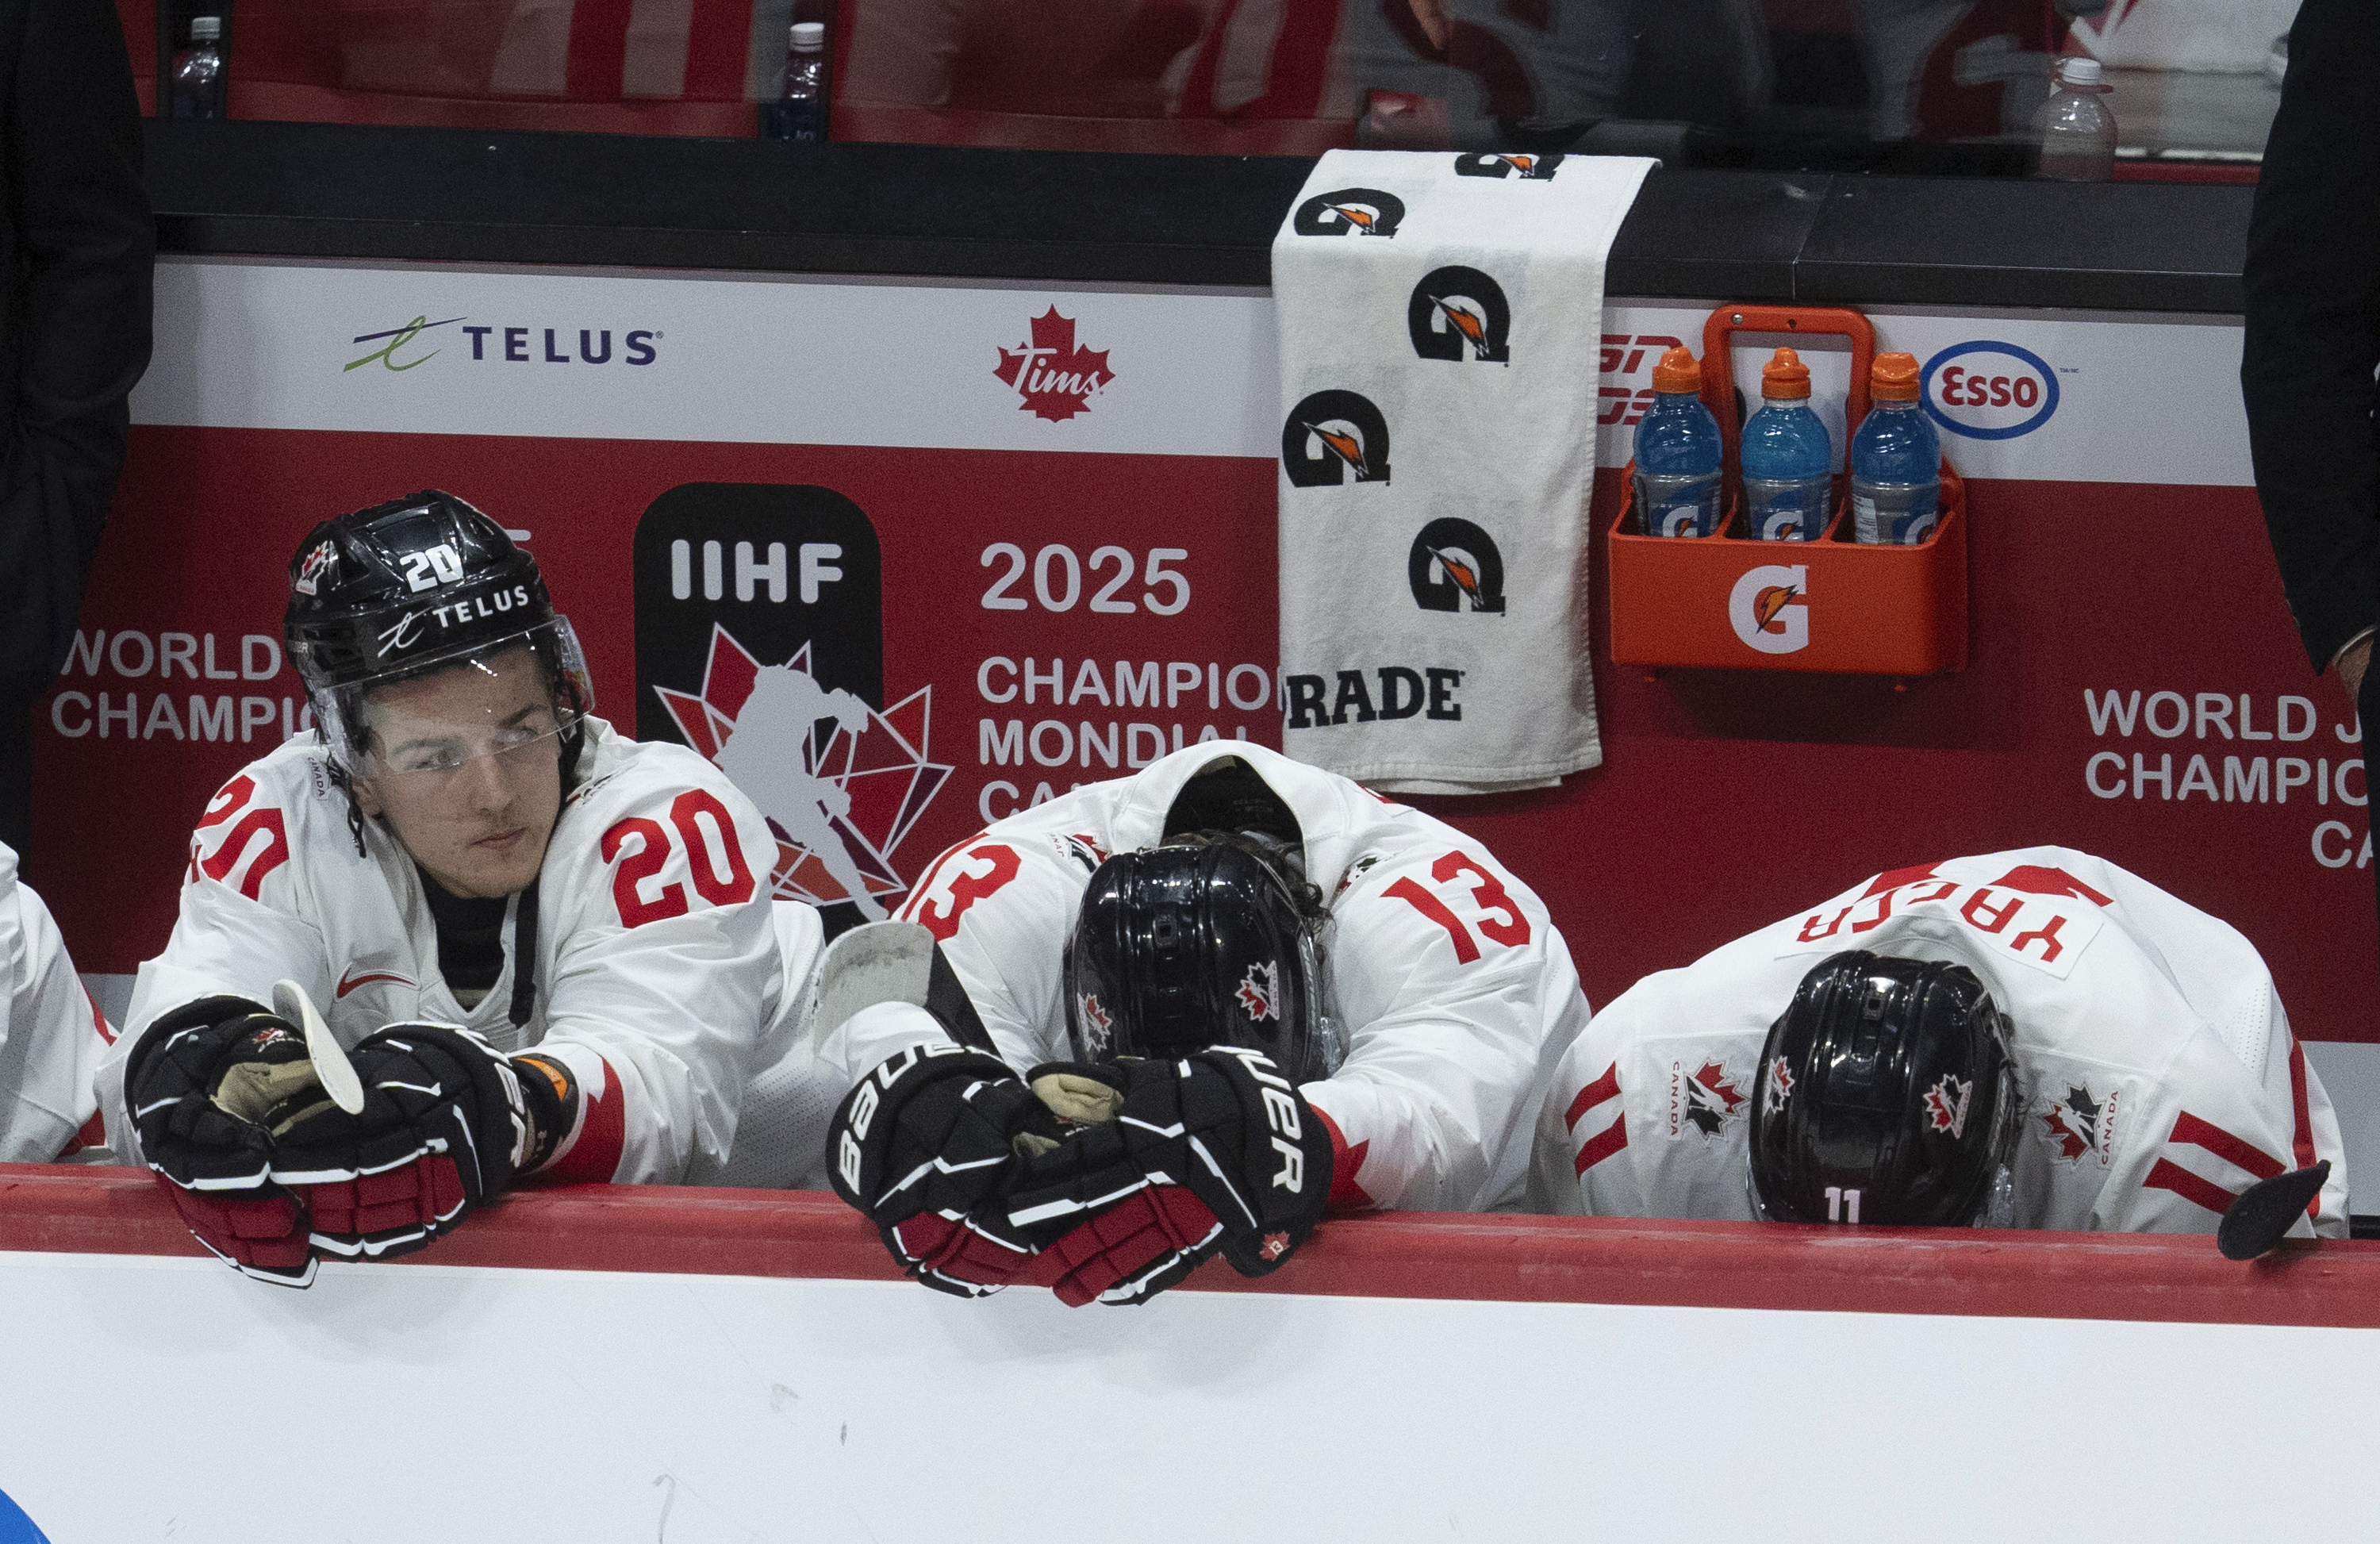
x=1989, y=391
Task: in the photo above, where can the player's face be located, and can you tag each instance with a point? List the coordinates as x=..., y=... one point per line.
x=466, y=768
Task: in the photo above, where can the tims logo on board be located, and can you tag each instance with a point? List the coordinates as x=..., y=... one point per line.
x=1458, y=313
x=760, y=645
x=1531, y=168
x=1054, y=377
x=1332, y=433
x=1362, y=211
x=1455, y=566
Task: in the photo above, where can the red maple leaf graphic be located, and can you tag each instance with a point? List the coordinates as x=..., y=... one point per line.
x=1713, y=1078
x=1054, y=378
x=2068, y=1141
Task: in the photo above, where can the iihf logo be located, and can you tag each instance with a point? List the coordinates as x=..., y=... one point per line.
x=837, y=806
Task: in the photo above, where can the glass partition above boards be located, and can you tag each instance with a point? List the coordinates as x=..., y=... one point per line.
x=2180, y=89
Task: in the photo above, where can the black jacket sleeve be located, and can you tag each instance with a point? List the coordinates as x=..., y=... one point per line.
x=2312, y=278
x=76, y=253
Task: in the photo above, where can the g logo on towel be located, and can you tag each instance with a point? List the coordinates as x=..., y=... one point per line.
x=1533, y=168
x=1453, y=308
x=1331, y=431
x=1455, y=566
x=1365, y=210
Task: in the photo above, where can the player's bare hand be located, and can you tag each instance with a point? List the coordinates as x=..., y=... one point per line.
x=1431, y=14
x=2351, y=667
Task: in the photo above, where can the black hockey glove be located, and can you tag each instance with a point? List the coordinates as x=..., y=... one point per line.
x=924, y=1147
x=1214, y=1151
x=445, y=1126
x=204, y=1085
x=265, y=1169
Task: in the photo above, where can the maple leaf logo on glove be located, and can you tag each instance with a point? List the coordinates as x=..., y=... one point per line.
x=1275, y=1245
x=1259, y=992
x=1054, y=376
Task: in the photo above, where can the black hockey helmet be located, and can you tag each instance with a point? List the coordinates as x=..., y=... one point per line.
x=1229, y=795
x=1201, y=941
x=410, y=587
x=1887, y=1095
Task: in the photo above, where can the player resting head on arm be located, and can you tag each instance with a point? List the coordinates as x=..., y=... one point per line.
x=2033, y=1039
x=462, y=864
x=1193, y=1087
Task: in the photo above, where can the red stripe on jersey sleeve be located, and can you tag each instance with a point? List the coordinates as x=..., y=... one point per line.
x=93, y=1134
x=602, y=1137
x=2238, y=1151
x=1595, y=1093
x=2169, y=1175
x=2302, y=1140
x=1602, y=1145
x=1345, y=1163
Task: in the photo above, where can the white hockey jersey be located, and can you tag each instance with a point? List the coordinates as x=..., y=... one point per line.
x=1456, y=992
x=52, y=1036
x=2155, y=1068
x=661, y=969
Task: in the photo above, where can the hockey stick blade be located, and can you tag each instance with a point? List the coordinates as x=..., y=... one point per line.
x=2266, y=1210
x=876, y=962
x=336, y=1074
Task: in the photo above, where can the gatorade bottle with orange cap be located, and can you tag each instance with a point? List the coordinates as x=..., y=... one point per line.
x=1896, y=459
x=1677, y=453
x=1787, y=456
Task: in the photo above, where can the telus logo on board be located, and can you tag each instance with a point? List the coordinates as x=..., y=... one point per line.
x=413, y=344
x=1989, y=391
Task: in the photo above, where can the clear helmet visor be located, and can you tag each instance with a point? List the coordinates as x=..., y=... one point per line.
x=505, y=701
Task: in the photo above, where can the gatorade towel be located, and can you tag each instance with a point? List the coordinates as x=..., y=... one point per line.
x=1440, y=320
x=15, y=1526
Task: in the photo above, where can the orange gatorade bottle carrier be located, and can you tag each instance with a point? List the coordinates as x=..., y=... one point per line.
x=1832, y=604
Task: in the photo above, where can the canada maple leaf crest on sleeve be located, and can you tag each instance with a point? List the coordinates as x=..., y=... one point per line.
x=1054, y=376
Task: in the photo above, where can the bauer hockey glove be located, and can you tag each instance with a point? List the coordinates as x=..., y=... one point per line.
x=202, y=1087
x=924, y=1147
x=1213, y=1152
x=447, y=1122
x=266, y=1171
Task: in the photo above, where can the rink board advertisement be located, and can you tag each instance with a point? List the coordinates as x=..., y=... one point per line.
x=994, y=539
x=1646, y=1382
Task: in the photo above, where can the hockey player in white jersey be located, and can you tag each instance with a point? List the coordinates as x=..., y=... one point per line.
x=2033, y=1039
x=52, y=1036
x=546, y=948
x=1389, y=999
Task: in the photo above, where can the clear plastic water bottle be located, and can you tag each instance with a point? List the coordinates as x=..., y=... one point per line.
x=1896, y=459
x=200, y=88
x=1677, y=453
x=799, y=112
x=2076, y=131
x=1787, y=456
